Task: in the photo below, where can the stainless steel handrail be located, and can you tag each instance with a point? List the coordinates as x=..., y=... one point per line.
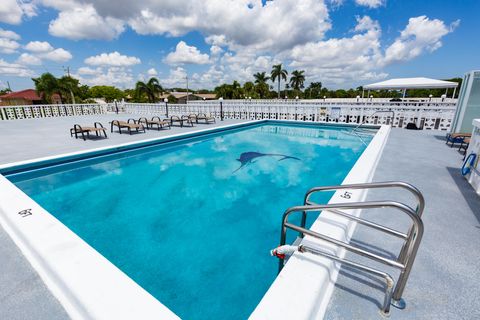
x=404, y=261
x=389, y=282
x=379, y=185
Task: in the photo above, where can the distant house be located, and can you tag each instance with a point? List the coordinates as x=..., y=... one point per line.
x=25, y=97
x=182, y=96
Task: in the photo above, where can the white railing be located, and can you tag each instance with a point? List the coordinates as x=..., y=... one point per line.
x=51, y=110
x=409, y=102
x=427, y=116
x=430, y=115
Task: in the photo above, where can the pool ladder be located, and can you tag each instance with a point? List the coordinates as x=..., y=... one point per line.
x=411, y=239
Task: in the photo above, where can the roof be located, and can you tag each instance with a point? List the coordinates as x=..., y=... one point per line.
x=411, y=83
x=179, y=95
x=28, y=94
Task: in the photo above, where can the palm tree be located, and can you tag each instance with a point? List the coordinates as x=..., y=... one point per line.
x=297, y=80
x=46, y=85
x=152, y=89
x=278, y=73
x=261, y=77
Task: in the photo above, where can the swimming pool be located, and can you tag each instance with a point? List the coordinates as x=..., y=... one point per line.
x=187, y=220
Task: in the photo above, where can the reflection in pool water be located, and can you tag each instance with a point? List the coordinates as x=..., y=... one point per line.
x=184, y=222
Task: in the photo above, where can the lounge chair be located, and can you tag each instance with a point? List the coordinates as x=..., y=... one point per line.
x=464, y=145
x=180, y=121
x=131, y=124
x=156, y=121
x=192, y=117
x=204, y=117
x=456, y=138
x=78, y=129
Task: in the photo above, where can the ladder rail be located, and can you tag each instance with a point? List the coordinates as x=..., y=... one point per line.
x=373, y=185
x=406, y=257
x=389, y=282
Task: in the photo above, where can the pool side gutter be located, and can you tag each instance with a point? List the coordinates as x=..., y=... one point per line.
x=304, y=287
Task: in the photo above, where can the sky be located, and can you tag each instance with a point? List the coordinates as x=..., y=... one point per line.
x=341, y=43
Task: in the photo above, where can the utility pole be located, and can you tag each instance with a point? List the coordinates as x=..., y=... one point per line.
x=71, y=92
x=187, y=88
x=8, y=84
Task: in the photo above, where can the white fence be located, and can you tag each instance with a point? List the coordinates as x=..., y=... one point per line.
x=431, y=116
x=428, y=115
x=50, y=110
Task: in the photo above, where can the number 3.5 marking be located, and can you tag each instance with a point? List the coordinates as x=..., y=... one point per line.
x=25, y=213
x=346, y=195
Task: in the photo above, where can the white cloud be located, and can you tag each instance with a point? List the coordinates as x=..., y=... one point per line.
x=152, y=72
x=420, y=35
x=11, y=12
x=38, y=46
x=89, y=71
x=185, y=54
x=176, y=78
x=8, y=45
x=236, y=23
x=83, y=22
x=14, y=69
x=370, y=3
x=108, y=76
x=112, y=59
x=29, y=59
x=9, y=34
x=44, y=50
x=57, y=55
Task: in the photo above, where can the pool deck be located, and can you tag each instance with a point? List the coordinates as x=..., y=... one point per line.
x=444, y=283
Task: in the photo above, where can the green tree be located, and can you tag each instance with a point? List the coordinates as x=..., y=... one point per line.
x=108, y=93
x=5, y=91
x=261, y=77
x=278, y=73
x=297, y=80
x=152, y=89
x=68, y=88
x=46, y=86
x=249, y=89
x=261, y=86
x=314, y=91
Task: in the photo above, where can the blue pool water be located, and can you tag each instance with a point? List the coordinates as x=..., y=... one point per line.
x=184, y=221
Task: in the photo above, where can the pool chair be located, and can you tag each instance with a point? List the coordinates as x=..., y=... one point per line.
x=204, y=117
x=130, y=125
x=464, y=145
x=78, y=129
x=192, y=117
x=456, y=138
x=180, y=121
x=155, y=121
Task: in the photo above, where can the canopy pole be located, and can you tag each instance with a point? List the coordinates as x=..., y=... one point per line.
x=454, y=91
x=363, y=93
x=404, y=93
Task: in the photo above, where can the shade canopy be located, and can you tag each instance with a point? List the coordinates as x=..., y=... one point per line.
x=410, y=83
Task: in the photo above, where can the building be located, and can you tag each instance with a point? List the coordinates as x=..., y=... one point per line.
x=182, y=96
x=25, y=97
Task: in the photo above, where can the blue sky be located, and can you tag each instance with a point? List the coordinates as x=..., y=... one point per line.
x=340, y=43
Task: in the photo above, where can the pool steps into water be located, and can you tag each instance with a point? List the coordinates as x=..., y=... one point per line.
x=404, y=260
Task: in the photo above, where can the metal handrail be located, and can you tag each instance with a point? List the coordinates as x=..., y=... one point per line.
x=404, y=261
x=369, y=116
x=379, y=185
x=389, y=282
